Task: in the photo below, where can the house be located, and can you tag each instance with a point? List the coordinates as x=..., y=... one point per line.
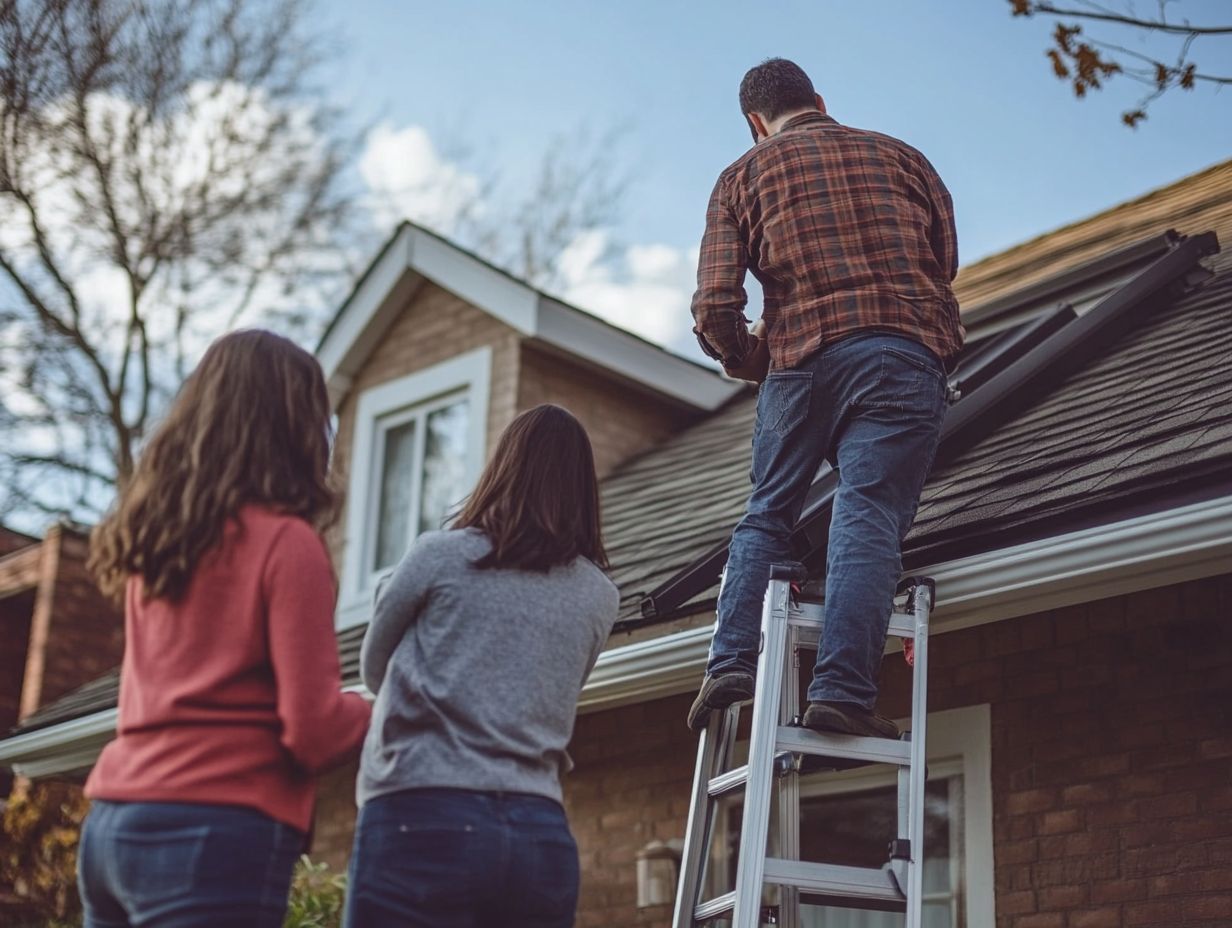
x=1078, y=525
x=57, y=632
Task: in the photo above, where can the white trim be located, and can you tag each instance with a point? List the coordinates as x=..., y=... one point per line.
x=1142, y=553
x=414, y=255
x=470, y=373
x=586, y=336
x=1151, y=551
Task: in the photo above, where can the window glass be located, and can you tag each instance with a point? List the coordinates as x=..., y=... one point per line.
x=444, y=466
x=394, y=509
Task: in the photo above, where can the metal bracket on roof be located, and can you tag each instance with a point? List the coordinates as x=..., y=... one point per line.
x=1049, y=351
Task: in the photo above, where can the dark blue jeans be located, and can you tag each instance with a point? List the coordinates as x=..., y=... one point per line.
x=451, y=858
x=872, y=405
x=176, y=865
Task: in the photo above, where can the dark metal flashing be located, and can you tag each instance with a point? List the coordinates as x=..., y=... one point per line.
x=1045, y=353
x=1023, y=381
x=1055, y=287
x=980, y=369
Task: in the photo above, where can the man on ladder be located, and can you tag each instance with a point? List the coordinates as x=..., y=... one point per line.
x=851, y=235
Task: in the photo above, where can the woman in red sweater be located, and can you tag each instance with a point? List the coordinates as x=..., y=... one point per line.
x=230, y=696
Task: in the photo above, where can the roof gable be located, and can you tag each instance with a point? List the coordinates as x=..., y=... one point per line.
x=414, y=254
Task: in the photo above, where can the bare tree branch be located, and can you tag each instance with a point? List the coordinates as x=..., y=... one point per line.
x=160, y=162
x=1087, y=64
x=1028, y=8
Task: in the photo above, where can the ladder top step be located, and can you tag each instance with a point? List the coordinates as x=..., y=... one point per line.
x=842, y=747
x=901, y=626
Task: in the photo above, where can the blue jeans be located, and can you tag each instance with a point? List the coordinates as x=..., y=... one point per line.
x=453, y=858
x=872, y=405
x=177, y=865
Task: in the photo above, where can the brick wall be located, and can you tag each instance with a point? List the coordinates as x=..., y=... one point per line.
x=622, y=420
x=15, y=612
x=1112, y=757
x=76, y=635
x=630, y=786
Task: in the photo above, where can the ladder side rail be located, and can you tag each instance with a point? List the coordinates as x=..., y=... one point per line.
x=922, y=604
x=697, y=830
x=789, y=782
x=755, y=823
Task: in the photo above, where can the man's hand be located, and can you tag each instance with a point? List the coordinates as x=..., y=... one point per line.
x=756, y=363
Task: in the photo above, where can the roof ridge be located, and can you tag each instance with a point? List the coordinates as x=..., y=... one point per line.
x=1193, y=181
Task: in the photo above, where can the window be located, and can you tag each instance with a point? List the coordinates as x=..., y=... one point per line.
x=417, y=451
x=421, y=474
x=849, y=817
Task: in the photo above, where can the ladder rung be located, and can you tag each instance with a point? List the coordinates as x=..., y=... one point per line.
x=843, y=747
x=832, y=880
x=738, y=776
x=726, y=782
x=715, y=907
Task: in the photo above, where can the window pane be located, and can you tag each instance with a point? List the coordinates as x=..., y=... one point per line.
x=444, y=467
x=397, y=476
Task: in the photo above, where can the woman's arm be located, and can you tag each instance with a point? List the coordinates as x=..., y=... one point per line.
x=398, y=603
x=321, y=725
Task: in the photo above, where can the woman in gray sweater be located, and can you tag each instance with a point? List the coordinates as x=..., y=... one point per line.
x=479, y=645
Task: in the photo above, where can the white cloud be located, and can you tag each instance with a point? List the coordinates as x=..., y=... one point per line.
x=644, y=288
x=409, y=179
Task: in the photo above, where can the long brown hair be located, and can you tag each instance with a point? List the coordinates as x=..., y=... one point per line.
x=538, y=499
x=250, y=425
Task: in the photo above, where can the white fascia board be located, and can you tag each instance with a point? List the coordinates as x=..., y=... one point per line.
x=1112, y=560
x=588, y=337
x=366, y=315
x=512, y=302
x=1137, y=554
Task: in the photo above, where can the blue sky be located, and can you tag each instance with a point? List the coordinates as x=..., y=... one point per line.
x=968, y=86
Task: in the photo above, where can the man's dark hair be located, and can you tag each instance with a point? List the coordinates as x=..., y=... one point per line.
x=774, y=87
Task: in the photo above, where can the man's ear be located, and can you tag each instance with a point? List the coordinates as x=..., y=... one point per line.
x=758, y=126
x=821, y=104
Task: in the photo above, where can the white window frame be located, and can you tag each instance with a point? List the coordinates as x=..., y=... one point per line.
x=959, y=743
x=386, y=406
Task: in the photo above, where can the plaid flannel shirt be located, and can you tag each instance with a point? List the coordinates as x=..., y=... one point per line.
x=847, y=231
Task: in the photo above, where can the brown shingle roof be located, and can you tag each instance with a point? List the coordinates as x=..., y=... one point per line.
x=1201, y=202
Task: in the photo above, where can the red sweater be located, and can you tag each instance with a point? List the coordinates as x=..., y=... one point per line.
x=232, y=694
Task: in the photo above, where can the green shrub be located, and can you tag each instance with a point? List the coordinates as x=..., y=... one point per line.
x=317, y=896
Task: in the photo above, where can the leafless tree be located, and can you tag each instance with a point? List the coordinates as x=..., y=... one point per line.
x=577, y=188
x=167, y=172
x=1087, y=62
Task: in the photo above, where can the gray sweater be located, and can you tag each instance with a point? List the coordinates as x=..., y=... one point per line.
x=477, y=672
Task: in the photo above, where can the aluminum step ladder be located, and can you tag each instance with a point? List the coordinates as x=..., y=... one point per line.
x=778, y=750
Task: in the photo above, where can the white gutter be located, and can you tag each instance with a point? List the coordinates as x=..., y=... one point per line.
x=1111, y=560
x=64, y=748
